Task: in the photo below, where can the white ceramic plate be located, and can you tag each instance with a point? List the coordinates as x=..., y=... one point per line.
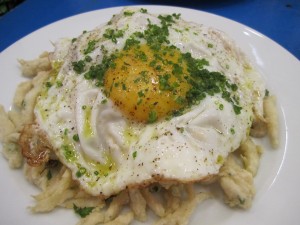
x=277, y=200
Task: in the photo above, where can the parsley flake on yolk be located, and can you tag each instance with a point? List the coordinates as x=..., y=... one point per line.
x=153, y=80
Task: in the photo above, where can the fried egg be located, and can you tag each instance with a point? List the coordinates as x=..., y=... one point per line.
x=147, y=98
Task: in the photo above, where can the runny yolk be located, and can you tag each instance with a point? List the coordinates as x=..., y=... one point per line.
x=146, y=84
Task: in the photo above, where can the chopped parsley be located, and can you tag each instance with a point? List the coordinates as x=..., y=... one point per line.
x=143, y=77
x=76, y=137
x=141, y=55
x=131, y=42
x=82, y=212
x=113, y=34
x=177, y=70
x=69, y=153
x=142, y=10
x=80, y=172
x=176, y=15
x=156, y=36
x=66, y=131
x=141, y=94
x=88, y=58
x=59, y=84
x=185, y=68
x=164, y=82
x=79, y=66
x=267, y=93
x=128, y=13
x=48, y=84
x=97, y=71
x=152, y=117
x=90, y=48
x=237, y=109
x=134, y=154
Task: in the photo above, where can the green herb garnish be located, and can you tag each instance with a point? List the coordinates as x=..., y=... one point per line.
x=142, y=10
x=59, y=84
x=80, y=172
x=82, y=212
x=152, y=117
x=90, y=47
x=128, y=13
x=113, y=34
x=78, y=66
x=267, y=93
x=48, y=84
x=134, y=154
x=76, y=137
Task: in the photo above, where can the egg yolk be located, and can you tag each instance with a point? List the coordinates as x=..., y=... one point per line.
x=147, y=84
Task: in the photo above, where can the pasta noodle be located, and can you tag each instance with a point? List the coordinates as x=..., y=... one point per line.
x=271, y=116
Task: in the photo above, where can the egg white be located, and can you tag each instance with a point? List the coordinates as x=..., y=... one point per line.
x=114, y=153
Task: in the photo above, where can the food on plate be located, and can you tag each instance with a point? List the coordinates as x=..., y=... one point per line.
x=137, y=112
x=271, y=116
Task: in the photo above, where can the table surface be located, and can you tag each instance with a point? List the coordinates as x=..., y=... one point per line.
x=276, y=19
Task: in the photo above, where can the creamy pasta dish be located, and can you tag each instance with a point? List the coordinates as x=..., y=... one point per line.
x=134, y=116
